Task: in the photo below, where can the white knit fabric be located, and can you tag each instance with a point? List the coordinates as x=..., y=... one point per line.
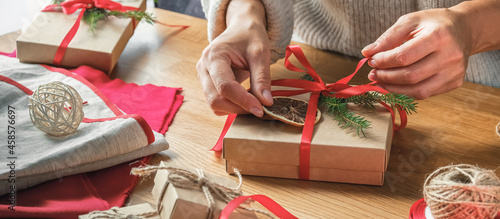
x=279, y=23
x=346, y=26
x=40, y=157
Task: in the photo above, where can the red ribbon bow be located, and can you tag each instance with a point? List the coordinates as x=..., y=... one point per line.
x=340, y=89
x=70, y=7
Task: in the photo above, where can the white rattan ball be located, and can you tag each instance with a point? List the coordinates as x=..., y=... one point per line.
x=56, y=108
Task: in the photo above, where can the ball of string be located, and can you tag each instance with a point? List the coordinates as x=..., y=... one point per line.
x=56, y=108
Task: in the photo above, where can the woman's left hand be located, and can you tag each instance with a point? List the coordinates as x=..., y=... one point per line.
x=424, y=53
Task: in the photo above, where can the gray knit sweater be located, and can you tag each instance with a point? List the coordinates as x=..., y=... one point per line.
x=344, y=26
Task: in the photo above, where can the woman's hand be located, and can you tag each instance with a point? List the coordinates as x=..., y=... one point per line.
x=241, y=51
x=423, y=54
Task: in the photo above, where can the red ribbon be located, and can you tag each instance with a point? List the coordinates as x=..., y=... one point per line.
x=172, y=25
x=70, y=7
x=417, y=210
x=9, y=54
x=267, y=202
x=340, y=89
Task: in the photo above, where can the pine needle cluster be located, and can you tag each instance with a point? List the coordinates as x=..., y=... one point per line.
x=337, y=107
x=93, y=15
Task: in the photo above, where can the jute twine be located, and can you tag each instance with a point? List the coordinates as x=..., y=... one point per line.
x=115, y=212
x=462, y=191
x=56, y=108
x=182, y=178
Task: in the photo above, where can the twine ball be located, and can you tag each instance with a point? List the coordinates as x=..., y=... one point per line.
x=462, y=191
x=56, y=108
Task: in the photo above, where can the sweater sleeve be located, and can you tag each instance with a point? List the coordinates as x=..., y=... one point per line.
x=279, y=18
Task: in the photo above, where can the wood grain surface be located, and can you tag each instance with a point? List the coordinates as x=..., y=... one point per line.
x=456, y=127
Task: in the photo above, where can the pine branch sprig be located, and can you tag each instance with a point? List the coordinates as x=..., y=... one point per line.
x=93, y=15
x=350, y=119
x=136, y=15
x=57, y=2
x=337, y=107
x=367, y=100
x=399, y=100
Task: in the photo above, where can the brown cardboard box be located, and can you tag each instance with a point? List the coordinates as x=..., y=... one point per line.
x=129, y=210
x=191, y=203
x=271, y=148
x=100, y=50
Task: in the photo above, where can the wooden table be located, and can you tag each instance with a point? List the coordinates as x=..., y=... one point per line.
x=456, y=127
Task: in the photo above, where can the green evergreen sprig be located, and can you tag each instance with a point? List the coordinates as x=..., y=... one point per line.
x=57, y=1
x=337, y=107
x=94, y=15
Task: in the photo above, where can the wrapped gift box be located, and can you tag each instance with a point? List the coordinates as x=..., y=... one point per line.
x=99, y=49
x=271, y=148
x=191, y=203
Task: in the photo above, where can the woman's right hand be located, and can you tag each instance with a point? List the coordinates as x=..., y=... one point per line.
x=241, y=51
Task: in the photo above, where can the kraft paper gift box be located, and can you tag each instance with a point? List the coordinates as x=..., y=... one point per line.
x=191, y=203
x=271, y=148
x=100, y=49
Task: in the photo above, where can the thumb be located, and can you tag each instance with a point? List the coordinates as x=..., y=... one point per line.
x=260, y=77
x=393, y=37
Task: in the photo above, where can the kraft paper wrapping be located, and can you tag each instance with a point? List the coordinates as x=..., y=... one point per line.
x=271, y=148
x=191, y=203
x=100, y=50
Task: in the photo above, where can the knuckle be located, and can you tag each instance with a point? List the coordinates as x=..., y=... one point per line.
x=457, y=56
x=224, y=88
x=422, y=94
x=245, y=103
x=206, y=52
x=404, y=19
x=259, y=51
x=212, y=53
x=215, y=103
x=384, y=37
x=262, y=79
x=412, y=77
x=402, y=57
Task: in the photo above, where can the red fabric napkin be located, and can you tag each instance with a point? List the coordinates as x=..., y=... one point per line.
x=78, y=194
x=157, y=105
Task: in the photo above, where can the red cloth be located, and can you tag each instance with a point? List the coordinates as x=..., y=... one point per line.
x=157, y=105
x=78, y=194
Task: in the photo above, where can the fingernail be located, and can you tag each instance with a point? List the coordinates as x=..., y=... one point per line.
x=370, y=46
x=256, y=111
x=372, y=63
x=267, y=96
x=372, y=76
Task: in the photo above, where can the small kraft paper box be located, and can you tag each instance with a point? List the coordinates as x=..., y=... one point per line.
x=180, y=203
x=271, y=148
x=99, y=49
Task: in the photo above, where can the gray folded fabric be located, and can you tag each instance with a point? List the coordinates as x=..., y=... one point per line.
x=38, y=157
